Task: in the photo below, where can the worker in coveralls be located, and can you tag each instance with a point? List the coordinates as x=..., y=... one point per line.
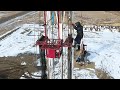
x=77, y=26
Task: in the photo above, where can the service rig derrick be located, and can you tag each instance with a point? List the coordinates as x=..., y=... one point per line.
x=53, y=48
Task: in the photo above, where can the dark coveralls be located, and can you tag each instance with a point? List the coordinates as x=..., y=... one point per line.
x=79, y=36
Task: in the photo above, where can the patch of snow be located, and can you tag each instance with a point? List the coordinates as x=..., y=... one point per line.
x=37, y=75
x=23, y=63
x=38, y=62
x=85, y=74
x=20, y=41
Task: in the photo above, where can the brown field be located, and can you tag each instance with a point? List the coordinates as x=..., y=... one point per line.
x=98, y=17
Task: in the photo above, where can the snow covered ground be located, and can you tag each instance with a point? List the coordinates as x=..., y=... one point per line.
x=103, y=46
x=84, y=74
x=21, y=41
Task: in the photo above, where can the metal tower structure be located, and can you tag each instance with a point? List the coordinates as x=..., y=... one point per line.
x=51, y=47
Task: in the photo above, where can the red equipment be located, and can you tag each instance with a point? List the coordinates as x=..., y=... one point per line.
x=53, y=47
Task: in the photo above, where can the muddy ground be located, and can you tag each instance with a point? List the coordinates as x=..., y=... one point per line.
x=10, y=67
x=15, y=67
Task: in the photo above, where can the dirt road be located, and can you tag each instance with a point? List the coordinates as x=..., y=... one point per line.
x=12, y=15
x=21, y=18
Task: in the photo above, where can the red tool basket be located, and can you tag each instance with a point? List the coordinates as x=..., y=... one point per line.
x=53, y=47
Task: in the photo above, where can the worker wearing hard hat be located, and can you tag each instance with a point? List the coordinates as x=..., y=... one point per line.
x=77, y=26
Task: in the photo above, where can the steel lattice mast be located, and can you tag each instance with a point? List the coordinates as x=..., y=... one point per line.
x=53, y=48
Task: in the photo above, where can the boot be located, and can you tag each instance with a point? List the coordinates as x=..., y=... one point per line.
x=78, y=48
x=78, y=59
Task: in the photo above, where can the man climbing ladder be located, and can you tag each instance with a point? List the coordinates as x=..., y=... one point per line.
x=77, y=26
x=79, y=42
